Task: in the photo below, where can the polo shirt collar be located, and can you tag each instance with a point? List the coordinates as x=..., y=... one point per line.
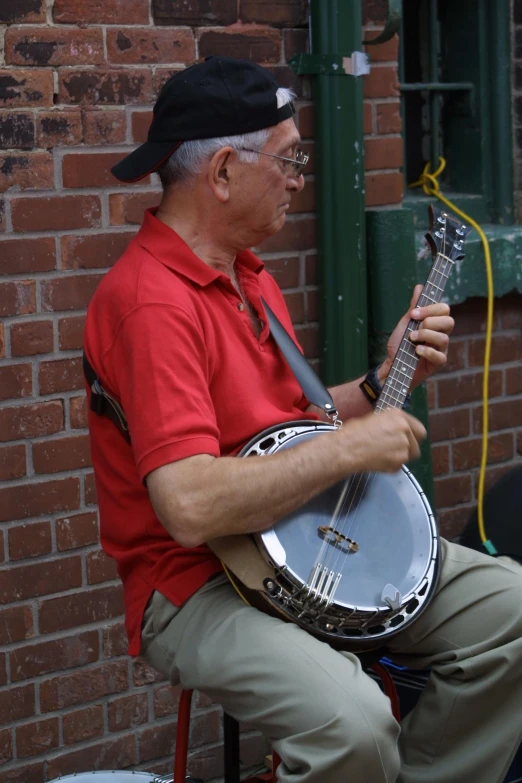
x=164, y=244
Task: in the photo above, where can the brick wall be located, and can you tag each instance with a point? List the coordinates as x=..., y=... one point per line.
x=76, y=91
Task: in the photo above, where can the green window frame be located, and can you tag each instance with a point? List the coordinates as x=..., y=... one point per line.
x=455, y=83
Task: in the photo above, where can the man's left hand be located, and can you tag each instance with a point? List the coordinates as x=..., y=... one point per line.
x=433, y=332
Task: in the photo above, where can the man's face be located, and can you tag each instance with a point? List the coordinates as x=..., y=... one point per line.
x=261, y=192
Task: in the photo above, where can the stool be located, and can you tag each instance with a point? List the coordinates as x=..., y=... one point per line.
x=231, y=735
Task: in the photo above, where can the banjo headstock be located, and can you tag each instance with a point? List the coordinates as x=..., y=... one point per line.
x=447, y=234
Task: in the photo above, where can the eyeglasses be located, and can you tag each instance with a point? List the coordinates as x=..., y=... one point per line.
x=293, y=167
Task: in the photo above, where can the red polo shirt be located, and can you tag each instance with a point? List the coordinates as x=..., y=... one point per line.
x=170, y=339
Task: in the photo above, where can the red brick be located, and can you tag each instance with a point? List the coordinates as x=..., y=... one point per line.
x=503, y=415
x=104, y=126
x=383, y=153
x=30, y=421
x=308, y=338
x=495, y=474
x=56, y=213
x=514, y=380
x=150, y=45
x=385, y=52
x=70, y=333
x=204, y=728
x=141, y=121
x=128, y=712
x=65, y=653
x=69, y=293
x=2, y=339
x=16, y=130
x=129, y=207
x=16, y=624
x=100, y=568
x=440, y=460
x=467, y=454
x=509, y=310
x=470, y=317
x=312, y=305
x=16, y=11
x=59, y=128
x=38, y=737
x=143, y=674
x=30, y=500
x=204, y=12
x=17, y=704
x=295, y=304
x=6, y=746
x=431, y=393
x=504, y=348
x=305, y=121
x=2, y=215
x=114, y=640
x=17, y=298
x=82, y=686
x=453, y=521
x=101, y=11
x=295, y=42
x=389, y=118
x=2, y=557
x=26, y=88
x=156, y=741
x=285, y=271
x=28, y=581
x=103, y=88
x=15, y=381
x=53, y=46
x=30, y=773
x=368, y=118
x=91, y=170
x=162, y=75
x=31, y=337
x=89, y=606
x=381, y=82
x=295, y=235
x=95, y=250
x=83, y=724
x=288, y=13
x=117, y=753
x=12, y=462
x=166, y=700
x=452, y=490
x=26, y=170
x=251, y=44
x=208, y=762
x=19, y=256
x=449, y=425
x=382, y=189
x=76, y=531
x=78, y=412
x=54, y=456
x=30, y=540
x=467, y=388
x=60, y=375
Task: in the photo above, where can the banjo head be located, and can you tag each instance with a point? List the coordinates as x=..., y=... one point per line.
x=115, y=776
x=380, y=543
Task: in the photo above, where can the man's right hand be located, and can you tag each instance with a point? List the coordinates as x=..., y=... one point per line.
x=382, y=442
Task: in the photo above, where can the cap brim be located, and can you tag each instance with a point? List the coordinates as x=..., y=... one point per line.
x=144, y=160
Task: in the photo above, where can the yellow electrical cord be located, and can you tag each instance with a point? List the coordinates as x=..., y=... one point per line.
x=430, y=185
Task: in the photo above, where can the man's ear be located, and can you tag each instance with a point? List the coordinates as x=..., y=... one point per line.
x=219, y=173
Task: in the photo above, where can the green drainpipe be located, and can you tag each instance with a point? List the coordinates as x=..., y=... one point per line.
x=336, y=32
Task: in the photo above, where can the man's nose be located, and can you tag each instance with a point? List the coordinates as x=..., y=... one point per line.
x=296, y=183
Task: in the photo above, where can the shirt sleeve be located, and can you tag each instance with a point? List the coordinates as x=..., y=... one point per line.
x=159, y=366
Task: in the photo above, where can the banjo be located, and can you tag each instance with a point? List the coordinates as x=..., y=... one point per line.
x=359, y=562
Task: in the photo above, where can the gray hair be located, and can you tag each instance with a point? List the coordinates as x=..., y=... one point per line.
x=187, y=160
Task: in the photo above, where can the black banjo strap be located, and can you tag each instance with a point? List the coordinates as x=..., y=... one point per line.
x=105, y=404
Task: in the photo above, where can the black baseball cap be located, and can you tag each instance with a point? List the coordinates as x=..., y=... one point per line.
x=221, y=96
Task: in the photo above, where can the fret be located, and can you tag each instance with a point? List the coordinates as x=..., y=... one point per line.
x=385, y=393
x=433, y=301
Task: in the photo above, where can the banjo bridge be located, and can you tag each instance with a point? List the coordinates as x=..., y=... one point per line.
x=337, y=539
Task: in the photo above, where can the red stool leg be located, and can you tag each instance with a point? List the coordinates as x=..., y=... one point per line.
x=276, y=760
x=389, y=688
x=182, y=737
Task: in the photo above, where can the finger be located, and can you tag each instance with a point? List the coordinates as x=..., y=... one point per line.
x=438, y=340
x=431, y=355
x=414, y=448
x=440, y=323
x=421, y=313
x=417, y=427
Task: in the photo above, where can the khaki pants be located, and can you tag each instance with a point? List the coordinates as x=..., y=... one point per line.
x=326, y=718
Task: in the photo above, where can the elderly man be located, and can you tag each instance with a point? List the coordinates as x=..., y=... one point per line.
x=177, y=334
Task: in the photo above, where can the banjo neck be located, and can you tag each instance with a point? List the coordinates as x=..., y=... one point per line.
x=446, y=239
